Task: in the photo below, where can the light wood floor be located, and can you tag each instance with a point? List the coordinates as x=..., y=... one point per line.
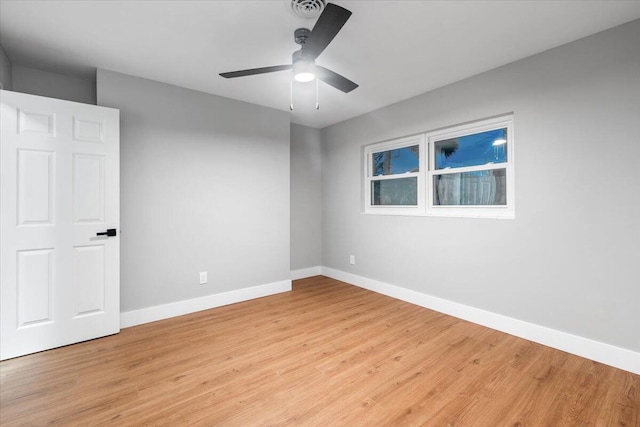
x=326, y=354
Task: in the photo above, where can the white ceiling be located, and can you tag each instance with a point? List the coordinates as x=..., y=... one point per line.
x=393, y=49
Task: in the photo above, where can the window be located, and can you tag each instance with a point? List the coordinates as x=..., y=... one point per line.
x=460, y=171
x=471, y=170
x=395, y=176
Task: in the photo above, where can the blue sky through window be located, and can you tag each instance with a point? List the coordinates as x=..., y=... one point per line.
x=472, y=150
x=392, y=162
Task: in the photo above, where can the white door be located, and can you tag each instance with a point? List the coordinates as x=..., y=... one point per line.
x=59, y=181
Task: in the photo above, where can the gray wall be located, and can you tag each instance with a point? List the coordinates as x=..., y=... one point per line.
x=306, y=203
x=571, y=258
x=52, y=85
x=5, y=70
x=204, y=187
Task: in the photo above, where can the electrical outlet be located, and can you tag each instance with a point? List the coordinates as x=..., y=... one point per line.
x=352, y=259
x=203, y=277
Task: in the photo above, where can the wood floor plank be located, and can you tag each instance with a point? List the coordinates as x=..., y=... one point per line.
x=325, y=354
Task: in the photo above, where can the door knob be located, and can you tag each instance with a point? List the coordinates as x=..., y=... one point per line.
x=109, y=233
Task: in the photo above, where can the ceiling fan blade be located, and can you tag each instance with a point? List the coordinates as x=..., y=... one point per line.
x=253, y=71
x=329, y=23
x=335, y=79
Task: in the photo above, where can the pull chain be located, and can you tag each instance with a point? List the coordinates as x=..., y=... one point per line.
x=291, y=93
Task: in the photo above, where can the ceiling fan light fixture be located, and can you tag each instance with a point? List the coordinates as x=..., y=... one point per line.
x=303, y=71
x=304, y=77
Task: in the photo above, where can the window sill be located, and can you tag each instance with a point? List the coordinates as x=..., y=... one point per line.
x=492, y=214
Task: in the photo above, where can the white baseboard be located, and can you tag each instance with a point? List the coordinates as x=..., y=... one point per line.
x=303, y=273
x=165, y=311
x=600, y=352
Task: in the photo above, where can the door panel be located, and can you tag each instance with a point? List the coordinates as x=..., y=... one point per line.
x=35, y=280
x=41, y=124
x=35, y=187
x=88, y=129
x=59, y=176
x=88, y=188
x=89, y=279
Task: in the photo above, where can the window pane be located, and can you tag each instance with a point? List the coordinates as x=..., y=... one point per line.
x=472, y=150
x=471, y=188
x=396, y=161
x=395, y=192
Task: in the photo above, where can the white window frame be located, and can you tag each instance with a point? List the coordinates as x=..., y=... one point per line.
x=425, y=175
x=370, y=150
x=477, y=211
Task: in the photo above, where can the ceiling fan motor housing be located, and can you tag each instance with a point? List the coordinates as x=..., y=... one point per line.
x=301, y=35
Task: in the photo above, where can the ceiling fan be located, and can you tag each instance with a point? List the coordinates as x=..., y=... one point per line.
x=312, y=44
